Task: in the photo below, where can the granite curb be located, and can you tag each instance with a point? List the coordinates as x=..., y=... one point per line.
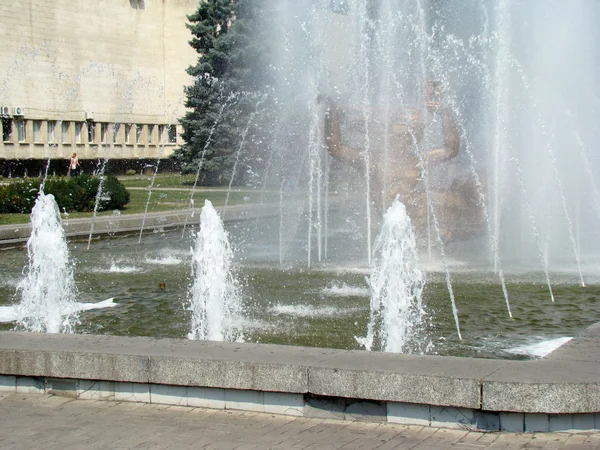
x=128, y=223
x=547, y=386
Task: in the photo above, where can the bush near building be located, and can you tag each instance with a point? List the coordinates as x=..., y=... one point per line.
x=71, y=194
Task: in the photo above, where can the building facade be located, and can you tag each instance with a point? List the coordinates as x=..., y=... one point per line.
x=102, y=78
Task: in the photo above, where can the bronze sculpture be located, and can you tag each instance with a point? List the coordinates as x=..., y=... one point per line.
x=411, y=153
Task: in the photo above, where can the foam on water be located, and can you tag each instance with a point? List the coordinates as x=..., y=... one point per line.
x=343, y=290
x=8, y=314
x=11, y=313
x=253, y=324
x=539, y=349
x=108, y=303
x=309, y=310
x=167, y=260
x=115, y=268
x=9, y=282
x=433, y=265
x=342, y=270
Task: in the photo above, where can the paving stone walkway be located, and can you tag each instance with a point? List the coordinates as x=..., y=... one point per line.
x=30, y=421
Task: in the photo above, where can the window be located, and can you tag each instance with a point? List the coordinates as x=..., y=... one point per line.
x=150, y=133
x=116, y=127
x=78, y=132
x=21, y=131
x=65, y=132
x=51, y=128
x=37, y=128
x=138, y=134
x=6, y=129
x=103, y=128
x=91, y=127
x=172, y=134
x=128, y=133
x=161, y=134
x=137, y=4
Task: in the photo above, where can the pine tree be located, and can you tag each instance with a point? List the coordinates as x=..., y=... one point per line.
x=230, y=78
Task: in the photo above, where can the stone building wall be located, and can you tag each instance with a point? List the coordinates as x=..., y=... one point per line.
x=100, y=78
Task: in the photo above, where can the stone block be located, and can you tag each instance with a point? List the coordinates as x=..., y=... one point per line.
x=233, y=374
x=540, y=398
x=244, y=400
x=583, y=422
x=61, y=387
x=200, y=397
x=30, y=385
x=536, y=422
x=487, y=421
x=324, y=408
x=584, y=347
x=365, y=411
x=543, y=386
x=512, y=422
x=81, y=365
x=8, y=383
x=560, y=422
x=168, y=395
x=401, y=378
x=283, y=403
x=408, y=413
x=96, y=390
x=450, y=417
x=132, y=392
x=438, y=388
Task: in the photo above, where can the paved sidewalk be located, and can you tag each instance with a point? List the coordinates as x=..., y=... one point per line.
x=42, y=421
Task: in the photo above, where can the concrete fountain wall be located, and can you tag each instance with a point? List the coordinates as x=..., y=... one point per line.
x=558, y=393
x=11, y=235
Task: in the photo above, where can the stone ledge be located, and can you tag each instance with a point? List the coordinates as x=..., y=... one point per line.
x=549, y=386
x=261, y=367
x=543, y=386
x=124, y=223
x=435, y=380
x=302, y=405
x=586, y=347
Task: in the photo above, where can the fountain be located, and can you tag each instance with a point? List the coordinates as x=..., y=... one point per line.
x=215, y=302
x=476, y=115
x=396, y=286
x=48, y=292
x=463, y=111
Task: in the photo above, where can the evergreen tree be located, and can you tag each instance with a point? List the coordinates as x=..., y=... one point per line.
x=230, y=78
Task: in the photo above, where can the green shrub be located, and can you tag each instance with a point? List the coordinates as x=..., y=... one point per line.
x=114, y=194
x=71, y=194
x=18, y=197
x=74, y=193
x=130, y=172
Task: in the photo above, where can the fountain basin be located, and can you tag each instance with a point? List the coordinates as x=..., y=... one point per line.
x=558, y=393
x=324, y=306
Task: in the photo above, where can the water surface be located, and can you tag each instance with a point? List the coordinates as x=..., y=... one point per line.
x=326, y=305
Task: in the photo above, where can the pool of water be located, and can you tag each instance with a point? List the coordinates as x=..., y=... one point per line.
x=326, y=305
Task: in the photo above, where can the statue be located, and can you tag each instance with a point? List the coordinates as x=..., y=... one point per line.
x=412, y=150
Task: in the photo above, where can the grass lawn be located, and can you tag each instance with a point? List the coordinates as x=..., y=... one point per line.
x=170, y=192
x=170, y=200
x=162, y=180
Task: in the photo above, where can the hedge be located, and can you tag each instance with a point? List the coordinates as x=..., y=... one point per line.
x=71, y=194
